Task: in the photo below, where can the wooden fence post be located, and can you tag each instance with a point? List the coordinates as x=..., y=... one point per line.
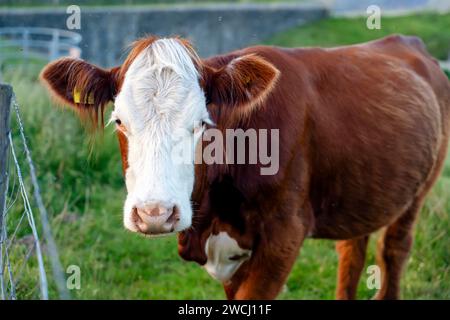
x=5, y=105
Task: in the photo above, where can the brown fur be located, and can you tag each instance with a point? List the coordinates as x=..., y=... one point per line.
x=363, y=136
x=62, y=77
x=352, y=254
x=250, y=77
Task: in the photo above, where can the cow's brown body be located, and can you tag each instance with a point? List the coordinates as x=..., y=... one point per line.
x=363, y=135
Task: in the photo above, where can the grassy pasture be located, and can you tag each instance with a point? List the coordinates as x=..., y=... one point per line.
x=84, y=193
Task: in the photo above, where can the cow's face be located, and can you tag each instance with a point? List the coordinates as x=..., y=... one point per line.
x=159, y=99
x=161, y=110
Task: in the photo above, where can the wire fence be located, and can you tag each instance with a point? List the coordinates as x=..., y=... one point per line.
x=24, y=253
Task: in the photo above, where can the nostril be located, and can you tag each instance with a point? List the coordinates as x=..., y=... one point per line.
x=137, y=220
x=175, y=216
x=135, y=216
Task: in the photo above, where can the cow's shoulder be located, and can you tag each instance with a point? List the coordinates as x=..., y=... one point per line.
x=410, y=50
x=400, y=43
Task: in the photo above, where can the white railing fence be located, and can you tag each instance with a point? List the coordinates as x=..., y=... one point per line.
x=30, y=43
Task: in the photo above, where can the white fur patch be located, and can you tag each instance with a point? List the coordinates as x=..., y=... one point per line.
x=225, y=256
x=159, y=105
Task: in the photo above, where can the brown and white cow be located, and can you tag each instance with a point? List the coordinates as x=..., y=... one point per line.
x=363, y=133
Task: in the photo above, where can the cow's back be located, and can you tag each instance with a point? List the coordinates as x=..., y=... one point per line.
x=376, y=118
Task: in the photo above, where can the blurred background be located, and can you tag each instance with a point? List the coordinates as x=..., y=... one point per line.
x=80, y=177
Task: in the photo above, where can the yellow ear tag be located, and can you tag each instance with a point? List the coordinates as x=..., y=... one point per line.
x=77, y=97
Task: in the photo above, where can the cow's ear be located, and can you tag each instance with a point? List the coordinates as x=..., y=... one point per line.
x=80, y=84
x=242, y=83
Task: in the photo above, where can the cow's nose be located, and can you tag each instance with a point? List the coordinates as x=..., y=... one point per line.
x=155, y=219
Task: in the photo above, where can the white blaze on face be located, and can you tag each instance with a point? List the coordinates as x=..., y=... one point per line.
x=159, y=106
x=225, y=256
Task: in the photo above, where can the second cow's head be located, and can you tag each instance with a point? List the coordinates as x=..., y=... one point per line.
x=162, y=94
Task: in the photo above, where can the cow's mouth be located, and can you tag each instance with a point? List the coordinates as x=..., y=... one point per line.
x=159, y=235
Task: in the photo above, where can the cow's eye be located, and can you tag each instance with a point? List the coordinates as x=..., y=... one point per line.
x=120, y=126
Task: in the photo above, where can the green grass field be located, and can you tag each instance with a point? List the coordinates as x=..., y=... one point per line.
x=84, y=193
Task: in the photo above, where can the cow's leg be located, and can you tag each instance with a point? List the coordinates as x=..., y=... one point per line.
x=263, y=280
x=352, y=255
x=393, y=251
x=264, y=275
